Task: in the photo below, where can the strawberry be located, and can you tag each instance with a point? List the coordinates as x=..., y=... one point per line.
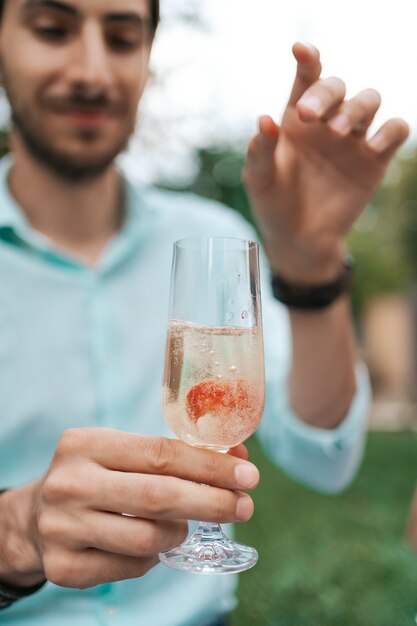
x=219, y=398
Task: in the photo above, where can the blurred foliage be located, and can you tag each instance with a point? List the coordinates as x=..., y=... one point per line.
x=219, y=177
x=327, y=561
x=383, y=242
x=406, y=205
x=376, y=244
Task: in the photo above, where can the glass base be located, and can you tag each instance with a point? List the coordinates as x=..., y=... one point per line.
x=209, y=551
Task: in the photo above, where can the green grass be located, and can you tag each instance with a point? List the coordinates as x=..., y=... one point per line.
x=333, y=560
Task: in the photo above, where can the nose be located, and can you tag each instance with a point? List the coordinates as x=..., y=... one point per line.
x=90, y=66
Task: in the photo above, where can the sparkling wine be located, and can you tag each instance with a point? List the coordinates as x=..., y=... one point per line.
x=214, y=383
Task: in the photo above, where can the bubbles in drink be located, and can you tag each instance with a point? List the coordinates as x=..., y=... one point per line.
x=213, y=398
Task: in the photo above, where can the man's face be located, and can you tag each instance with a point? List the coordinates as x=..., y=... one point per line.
x=74, y=72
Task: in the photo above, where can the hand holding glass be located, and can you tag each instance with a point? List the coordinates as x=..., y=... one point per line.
x=214, y=386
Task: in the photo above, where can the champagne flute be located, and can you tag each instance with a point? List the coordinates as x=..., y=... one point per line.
x=214, y=384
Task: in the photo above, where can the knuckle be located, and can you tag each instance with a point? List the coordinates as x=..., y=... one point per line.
x=160, y=455
x=71, y=441
x=53, y=488
x=154, y=498
x=211, y=469
x=58, y=529
x=58, y=569
x=62, y=485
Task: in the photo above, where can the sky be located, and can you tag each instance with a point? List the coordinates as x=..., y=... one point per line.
x=214, y=79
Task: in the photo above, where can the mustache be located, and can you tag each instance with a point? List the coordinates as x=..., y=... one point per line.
x=100, y=102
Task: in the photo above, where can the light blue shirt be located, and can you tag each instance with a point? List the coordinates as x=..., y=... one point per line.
x=82, y=347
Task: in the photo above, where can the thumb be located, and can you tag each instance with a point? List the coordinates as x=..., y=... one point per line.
x=260, y=166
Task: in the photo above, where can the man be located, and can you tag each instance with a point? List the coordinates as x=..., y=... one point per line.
x=84, y=274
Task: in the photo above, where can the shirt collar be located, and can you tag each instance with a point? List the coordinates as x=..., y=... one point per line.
x=139, y=220
x=139, y=210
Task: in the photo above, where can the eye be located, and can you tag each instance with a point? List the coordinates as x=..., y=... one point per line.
x=51, y=32
x=123, y=44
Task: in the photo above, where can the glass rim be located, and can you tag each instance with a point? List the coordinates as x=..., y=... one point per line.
x=195, y=243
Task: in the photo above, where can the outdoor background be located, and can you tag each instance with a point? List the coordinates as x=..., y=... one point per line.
x=217, y=66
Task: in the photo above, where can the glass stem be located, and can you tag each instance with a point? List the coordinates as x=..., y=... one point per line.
x=208, y=531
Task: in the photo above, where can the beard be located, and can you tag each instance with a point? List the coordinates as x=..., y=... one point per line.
x=40, y=144
x=66, y=166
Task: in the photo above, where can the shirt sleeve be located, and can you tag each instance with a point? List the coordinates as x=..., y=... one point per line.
x=326, y=460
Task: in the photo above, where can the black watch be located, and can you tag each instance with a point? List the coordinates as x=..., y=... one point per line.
x=313, y=297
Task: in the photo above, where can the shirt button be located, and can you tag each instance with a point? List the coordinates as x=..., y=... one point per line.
x=111, y=612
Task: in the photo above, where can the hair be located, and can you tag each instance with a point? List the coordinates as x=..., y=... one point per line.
x=155, y=15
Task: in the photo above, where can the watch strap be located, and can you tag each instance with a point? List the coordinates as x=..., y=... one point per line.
x=9, y=595
x=313, y=297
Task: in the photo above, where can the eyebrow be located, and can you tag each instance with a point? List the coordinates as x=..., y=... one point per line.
x=50, y=4
x=129, y=17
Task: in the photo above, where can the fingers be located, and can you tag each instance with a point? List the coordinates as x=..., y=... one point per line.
x=324, y=101
x=129, y=536
x=357, y=114
x=92, y=567
x=322, y=97
x=167, y=498
x=119, y=534
x=126, y=452
x=308, y=70
x=389, y=138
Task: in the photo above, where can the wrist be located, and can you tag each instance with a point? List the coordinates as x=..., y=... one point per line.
x=20, y=561
x=298, y=265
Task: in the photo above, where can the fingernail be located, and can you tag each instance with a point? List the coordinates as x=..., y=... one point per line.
x=244, y=509
x=340, y=124
x=246, y=475
x=312, y=102
x=307, y=44
x=378, y=143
